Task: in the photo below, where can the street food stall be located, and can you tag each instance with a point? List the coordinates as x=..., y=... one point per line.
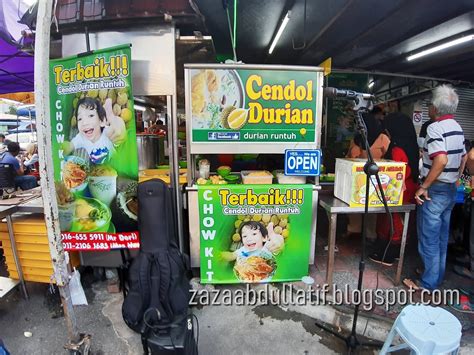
x=154, y=82
x=245, y=109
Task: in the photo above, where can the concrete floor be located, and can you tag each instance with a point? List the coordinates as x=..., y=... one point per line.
x=223, y=329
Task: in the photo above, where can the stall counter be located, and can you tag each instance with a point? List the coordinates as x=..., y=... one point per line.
x=162, y=174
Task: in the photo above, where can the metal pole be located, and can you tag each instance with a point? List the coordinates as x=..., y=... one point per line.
x=173, y=151
x=61, y=275
x=16, y=258
x=178, y=191
x=88, y=43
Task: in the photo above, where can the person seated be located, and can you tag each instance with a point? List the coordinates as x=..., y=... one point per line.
x=31, y=159
x=22, y=181
x=3, y=143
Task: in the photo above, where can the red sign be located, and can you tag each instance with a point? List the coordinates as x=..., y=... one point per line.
x=73, y=241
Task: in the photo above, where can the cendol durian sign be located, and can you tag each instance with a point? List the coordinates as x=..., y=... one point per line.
x=248, y=105
x=95, y=149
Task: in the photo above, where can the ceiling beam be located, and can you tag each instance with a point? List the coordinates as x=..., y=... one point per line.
x=413, y=32
x=370, y=30
x=447, y=69
x=383, y=73
x=401, y=64
x=328, y=25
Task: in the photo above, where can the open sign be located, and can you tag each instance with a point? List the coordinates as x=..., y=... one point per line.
x=302, y=162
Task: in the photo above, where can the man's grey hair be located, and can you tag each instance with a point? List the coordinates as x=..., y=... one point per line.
x=445, y=100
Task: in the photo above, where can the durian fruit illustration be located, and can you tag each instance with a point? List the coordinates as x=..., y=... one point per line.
x=234, y=118
x=198, y=87
x=212, y=80
x=358, y=192
x=394, y=190
x=225, y=115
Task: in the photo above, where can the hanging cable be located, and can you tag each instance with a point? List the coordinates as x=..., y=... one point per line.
x=226, y=8
x=234, y=42
x=55, y=19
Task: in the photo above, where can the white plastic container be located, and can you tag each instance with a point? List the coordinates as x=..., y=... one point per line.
x=289, y=179
x=204, y=169
x=258, y=177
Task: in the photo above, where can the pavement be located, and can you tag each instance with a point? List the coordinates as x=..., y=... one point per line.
x=42, y=316
x=222, y=329
x=376, y=276
x=233, y=329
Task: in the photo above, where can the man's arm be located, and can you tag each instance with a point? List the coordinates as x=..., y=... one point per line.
x=463, y=164
x=439, y=163
x=437, y=151
x=19, y=168
x=470, y=161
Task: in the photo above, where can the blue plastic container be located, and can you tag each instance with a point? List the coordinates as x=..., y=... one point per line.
x=460, y=194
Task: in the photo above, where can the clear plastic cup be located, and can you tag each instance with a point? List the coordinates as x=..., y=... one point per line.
x=66, y=216
x=103, y=188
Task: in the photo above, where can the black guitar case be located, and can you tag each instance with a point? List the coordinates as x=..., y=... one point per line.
x=157, y=304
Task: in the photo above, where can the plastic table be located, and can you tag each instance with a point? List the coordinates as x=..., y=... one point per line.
x=34, y=205
x=7, y=284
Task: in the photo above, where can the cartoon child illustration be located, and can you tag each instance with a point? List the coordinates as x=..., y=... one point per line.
x=256, y=240
x=100, y=130
x=254, y=260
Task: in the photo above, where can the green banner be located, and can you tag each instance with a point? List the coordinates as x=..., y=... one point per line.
x=254, y=233
x=94, y=144
x=244, y=105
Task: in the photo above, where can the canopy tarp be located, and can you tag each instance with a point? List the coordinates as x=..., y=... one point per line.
x=23, y=97
x=16, y=66
x=26, y=111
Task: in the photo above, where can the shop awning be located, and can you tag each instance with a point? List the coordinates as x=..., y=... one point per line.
x=16, y=64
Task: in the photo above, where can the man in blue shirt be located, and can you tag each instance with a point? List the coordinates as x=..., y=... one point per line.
x=24, y=182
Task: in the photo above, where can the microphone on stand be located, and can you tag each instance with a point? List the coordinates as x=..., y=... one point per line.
x=348, y=94
x=361, y=100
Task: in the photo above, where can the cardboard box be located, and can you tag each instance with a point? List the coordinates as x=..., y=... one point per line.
x=349, y=185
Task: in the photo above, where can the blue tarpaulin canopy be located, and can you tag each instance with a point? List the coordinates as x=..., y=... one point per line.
x=16, y=66
x=26, y=111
